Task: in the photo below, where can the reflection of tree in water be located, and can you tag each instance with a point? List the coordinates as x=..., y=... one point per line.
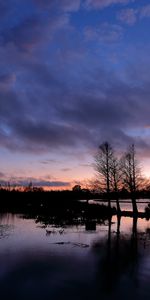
x=118, y=258
x=5, y=231
x=69, y=216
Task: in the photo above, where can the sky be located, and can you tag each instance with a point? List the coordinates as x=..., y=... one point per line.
x=73, y=74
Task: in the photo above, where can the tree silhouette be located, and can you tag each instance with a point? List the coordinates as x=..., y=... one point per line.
x=115, y=178
x=103, y=166
x=131, y=174
x=107, y=166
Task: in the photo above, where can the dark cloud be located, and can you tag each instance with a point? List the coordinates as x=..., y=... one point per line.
x=25, y=35
x=35, y=182
x=10, y=107
x=105, y=108
x=43, y=136
x=66, y=169
x=33, y=31
x=57, y=89
x=50, y=161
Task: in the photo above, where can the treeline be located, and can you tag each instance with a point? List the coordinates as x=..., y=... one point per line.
x=118, y=177
x=60, y=206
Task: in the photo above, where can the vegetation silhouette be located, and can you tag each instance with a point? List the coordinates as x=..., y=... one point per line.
x=119, y=178
x=67, y=201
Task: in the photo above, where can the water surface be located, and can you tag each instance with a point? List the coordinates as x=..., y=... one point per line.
x=43, y=261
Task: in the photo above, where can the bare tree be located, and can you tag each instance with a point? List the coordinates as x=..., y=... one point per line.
x=115, y=178
x=108, y=167
x=103, y=163
x=94, y=185
x=131, y=174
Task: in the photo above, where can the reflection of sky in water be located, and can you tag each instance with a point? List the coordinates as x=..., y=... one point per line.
x=72, y=263
x=125, y=204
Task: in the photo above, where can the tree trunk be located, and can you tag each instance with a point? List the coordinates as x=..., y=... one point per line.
x=109, y=202
x=118, y=206
x=134, y=205
x=118, y=226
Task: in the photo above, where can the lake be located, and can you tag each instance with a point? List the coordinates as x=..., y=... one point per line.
x=43, y=261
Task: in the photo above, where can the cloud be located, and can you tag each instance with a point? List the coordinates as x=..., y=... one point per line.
x=9, y=105
x=70, y=6
x=128, y=16
x=86, y=165
x=60, y=93
x=33, y=31
x=38, y=137
x=56, y=119
x=46, y=181
x=35, y=182
x=66, y=169
x=100, y=4
x=47, y=133
x=64, y=5
x=50, y=161
x=27, y=35
x=104, y=33
x=145, y=11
